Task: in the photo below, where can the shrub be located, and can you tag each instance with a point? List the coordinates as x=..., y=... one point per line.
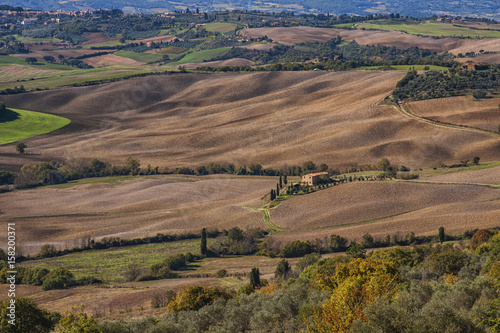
x=296, y=249
x=59, y=278
x=162, y=298
x=221, y=273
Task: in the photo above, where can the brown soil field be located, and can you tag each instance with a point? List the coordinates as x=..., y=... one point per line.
x=423, y=208
x=461, y=111
x=229, y=62
x=168, y=38
x=12, y=73
x=97, y=37
x=294, y=35
x=111, y=60
x=274, y=119
x=259, y=46
x=469, y=45
x=124, y=302
x=493, y=58
x=476, y=25
x=133, y=208
x=484, y=176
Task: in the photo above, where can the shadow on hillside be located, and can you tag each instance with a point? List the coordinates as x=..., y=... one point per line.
x=8, y=115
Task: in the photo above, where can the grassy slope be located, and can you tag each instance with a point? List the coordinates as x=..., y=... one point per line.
x=28, y=124
x=8, y=60
x=110, y=264
x=199, y=56
x=142, y=57
x=432, y=29
x=79, y=76
x=220, y=27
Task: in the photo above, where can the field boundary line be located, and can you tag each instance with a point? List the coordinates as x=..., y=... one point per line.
x=446, y=183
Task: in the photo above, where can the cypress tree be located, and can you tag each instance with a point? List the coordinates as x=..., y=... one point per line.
x=204, y=241
x=277, y=189
x=285, y=180
x=281, y=182
x=255, y=278
x=441, y=235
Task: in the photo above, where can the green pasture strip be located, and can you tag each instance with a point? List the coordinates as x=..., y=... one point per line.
x=16, y=125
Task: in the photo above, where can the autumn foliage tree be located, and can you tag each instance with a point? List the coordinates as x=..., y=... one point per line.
x=196, y=297
x=480, y=237
x=356, y=284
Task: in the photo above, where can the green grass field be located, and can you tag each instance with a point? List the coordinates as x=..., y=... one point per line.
x=6, y=60
x=16, y=125
x=109, y=265
x=429, y=29
x=37, y=40
x=220, y=27
x=77, y=76
x=142, y=57
x=200, y=56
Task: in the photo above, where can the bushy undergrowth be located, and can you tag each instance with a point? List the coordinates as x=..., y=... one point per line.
x=431, y=288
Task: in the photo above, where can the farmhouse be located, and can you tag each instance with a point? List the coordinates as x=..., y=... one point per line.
x=313, y=178
x=469, y=66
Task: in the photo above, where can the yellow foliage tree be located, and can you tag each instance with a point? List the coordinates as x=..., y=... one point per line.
x=196, y=297
x=356, y=284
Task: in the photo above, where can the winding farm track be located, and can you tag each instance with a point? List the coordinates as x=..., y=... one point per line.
x=401, y=107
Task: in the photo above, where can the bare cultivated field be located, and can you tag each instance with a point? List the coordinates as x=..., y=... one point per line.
x=484, y=176
x=475, y=45
x=96, y=38
x=12, y=73
x=461, y=111
x=294, y=35
x=382, y=208
x=126, y=302
x=493, y=58
x=477, y=25
x=272, y=118
x=111, y=60
x=133, y=208
x=259, y=46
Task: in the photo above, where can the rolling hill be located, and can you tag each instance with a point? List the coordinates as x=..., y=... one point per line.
x=275, y=119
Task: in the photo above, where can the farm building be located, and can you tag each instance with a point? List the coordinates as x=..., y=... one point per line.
x=313, y=178
x=469, y=66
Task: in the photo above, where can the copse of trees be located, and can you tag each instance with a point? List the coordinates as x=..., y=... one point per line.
x=453, y=82
x=31, y=60
x=58, y=278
